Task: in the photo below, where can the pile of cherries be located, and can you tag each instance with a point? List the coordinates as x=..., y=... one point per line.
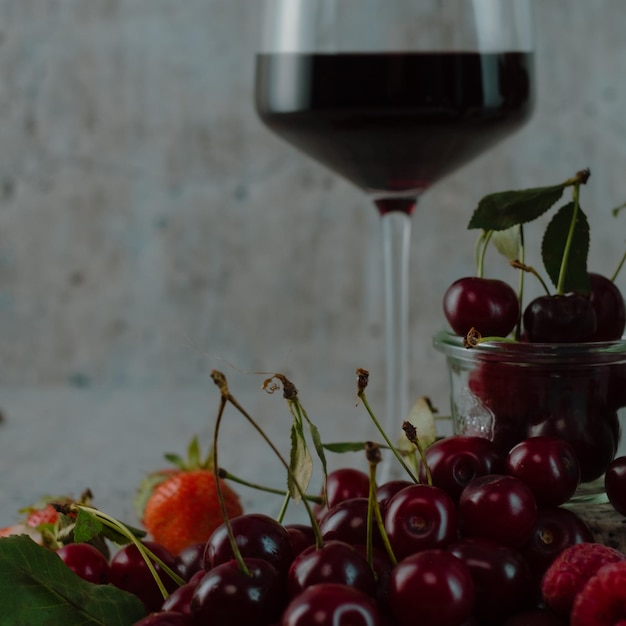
x=577, y=400
x=468, y=544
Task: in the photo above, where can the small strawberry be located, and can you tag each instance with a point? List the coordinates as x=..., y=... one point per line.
x=179, y=506
x=571, y=570
x=602, y=601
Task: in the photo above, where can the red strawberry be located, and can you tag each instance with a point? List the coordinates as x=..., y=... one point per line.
x=602, y=601
x=571, y=570
x=179, y=506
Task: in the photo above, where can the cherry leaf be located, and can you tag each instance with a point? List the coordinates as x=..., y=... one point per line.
x=300, y=462
x=553, y=246
x=422, y=417
x=501, y=210
x=38, y=589
x=87, y=526
x=507, y=242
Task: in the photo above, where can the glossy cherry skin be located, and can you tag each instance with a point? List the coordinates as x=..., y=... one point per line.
x=332, y=604
x=431, y=587
x=608, y=303
x=301, y=535
x=258, y=536
x=548, y=465
x=343, y=484
x=191, y=560
x=498, y=507
x=129, y=571
x=418, y=518
x=489, y=305
x=503, y=583
x=560, y=319
x=615, y=484
x=179, y=601
x=390, y=488
x=334, y=562
x=225, y=595
x=556, y=528
x=166, y=618
x=455, y=461
x=85, y=561
x=347, y=521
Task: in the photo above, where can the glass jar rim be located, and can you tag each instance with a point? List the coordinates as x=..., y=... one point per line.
x=605, y=351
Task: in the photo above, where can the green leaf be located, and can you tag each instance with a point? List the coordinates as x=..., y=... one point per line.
x=501, y=210
x=87, y=526
x=319, y=447
x=38, y=589
x=300, y=462
x=507, y=242
x=553, y=246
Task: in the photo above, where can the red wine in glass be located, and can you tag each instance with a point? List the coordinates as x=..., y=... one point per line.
x=394, y=123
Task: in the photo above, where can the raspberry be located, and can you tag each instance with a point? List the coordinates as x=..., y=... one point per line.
x=602, y=601
x=571, y=570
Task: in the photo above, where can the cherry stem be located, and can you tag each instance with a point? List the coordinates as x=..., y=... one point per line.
x=569, y=240
x=372, y=453
x=220, y=380
x=362, y=380
x=148, y=556
x=520, y=288
x=411, y=434
x=279, y=492
x=218, y=487
x=619, y=267
x=483, y=243
x=530, y=270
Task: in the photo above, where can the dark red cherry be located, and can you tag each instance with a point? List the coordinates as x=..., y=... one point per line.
x=345, y=483
x=347, y=521
x=226, y=595
x=301, y=535
x=489, y=305
x=166, y=618
x=258, y=536
x=179, y=601
x=455, y=461
x=615, y=484
x=431, y=587
x=498, y=507
x=85, y=561
x=503, y=583
x=390, y=488
x=334, y=562
x=129, y=571
x=556, y=528
x=332, y=604
x=191, y=560
x=420, y=517
x=549, y=466
x=608, y=303
x=560, y=319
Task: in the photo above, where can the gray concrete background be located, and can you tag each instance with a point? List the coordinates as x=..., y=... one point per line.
x=151, y=229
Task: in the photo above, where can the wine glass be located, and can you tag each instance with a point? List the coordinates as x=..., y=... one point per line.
x=393, y=95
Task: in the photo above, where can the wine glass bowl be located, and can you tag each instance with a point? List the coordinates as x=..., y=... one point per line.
x=394, y=95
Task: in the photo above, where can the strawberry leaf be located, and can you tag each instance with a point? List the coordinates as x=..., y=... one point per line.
x=38, y=589
x=501, y=210
x=553, y=247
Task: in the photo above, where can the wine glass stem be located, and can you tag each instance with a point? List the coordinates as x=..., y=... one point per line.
x=396, y=231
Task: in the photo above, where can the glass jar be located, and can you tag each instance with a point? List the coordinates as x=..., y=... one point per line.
x=508, y=391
